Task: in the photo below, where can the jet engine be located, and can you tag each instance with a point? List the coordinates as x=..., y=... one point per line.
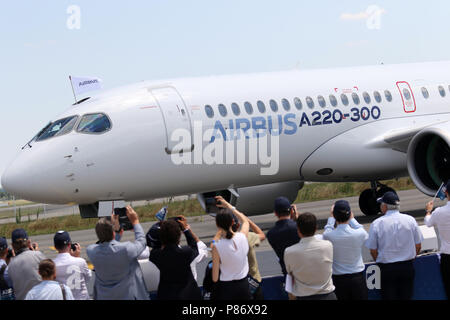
x=428, y=158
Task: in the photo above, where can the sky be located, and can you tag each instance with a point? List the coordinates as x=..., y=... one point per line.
x=121, y=42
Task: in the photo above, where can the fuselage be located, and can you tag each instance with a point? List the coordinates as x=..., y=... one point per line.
x=320, y=136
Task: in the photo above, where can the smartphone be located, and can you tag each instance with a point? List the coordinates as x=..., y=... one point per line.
x=123, y=218
x=211, y=205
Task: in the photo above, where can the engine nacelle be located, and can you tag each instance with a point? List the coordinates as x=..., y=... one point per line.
x=257, y=199
x=428, y=158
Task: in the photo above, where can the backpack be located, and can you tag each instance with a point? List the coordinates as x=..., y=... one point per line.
x=6, y=292
x=208, y=284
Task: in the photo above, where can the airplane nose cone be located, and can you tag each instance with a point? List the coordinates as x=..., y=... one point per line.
x=11, y=181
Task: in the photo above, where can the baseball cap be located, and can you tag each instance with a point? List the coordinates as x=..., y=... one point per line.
x=281, y=204
x=18, y=234
x=3, y=244
x=61, y=238
x=341, y=210
x=389, y=198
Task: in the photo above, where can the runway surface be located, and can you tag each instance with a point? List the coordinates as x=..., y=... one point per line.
x=412, y=202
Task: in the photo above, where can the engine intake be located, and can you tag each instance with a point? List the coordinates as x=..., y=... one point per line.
x=428, y=158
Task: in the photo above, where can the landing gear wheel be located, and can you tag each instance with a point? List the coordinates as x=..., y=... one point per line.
x=368, y=203
x=383, y=190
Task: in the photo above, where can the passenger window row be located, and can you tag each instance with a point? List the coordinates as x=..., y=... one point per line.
x=286, y=105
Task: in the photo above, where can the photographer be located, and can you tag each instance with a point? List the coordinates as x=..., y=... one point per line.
x=284, y=234
x=71, y=270
x=174, y=262
x=229, y=253
x=6, y=289
x=118, y=275
x=23, y=268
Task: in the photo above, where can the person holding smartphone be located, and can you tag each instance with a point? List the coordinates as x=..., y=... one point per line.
x=118, y=275
x=177, y=281
x=229, y=255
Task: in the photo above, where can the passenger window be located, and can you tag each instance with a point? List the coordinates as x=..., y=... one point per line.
x=94, y=123
x=333, y=100
x=223, y=110
x=377, y=96
x=273, y=105
x=235, y=108
x=388, y=95
x=425, y=93
x=58, y=128
x=366, y=97
x=355, y=98
x=298, y=103
x=209, y=111
x=248, y=107
x=310, y=102
x=286, y=104
x=322, y=102
x=406, y=94
x=261, y=106
x=344, y=99
x=442, y=91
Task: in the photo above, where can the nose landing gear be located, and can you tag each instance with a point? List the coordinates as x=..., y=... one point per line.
x=368, y=198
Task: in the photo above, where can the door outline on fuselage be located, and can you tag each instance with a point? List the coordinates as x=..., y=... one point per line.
x=180, y=107
x=405, y=85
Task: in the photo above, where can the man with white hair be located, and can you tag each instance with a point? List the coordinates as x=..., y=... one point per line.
x=394, y=242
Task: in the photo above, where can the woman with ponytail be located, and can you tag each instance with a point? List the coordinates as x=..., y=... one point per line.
x=229, y=254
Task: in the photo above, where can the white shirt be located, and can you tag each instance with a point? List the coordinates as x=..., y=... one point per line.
x=48, y=290
x=440, y=218
x=394, y=235
x=310, y=263
x=202, y=253
x=233, y=257
x=74, y=273
x=347, y=240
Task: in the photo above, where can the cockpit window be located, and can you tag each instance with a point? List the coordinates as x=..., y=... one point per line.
x=58, y=128
x=94, y=123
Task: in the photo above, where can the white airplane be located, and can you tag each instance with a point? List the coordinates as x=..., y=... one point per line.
x=348, y=124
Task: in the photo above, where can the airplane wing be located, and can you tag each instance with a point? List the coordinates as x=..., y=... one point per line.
x=398, y=139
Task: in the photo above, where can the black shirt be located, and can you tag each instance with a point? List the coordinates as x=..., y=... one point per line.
x=174, y=263
x=283, y=235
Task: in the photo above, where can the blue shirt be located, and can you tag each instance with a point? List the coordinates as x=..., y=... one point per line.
x=347, y=240
x=394, y=235
x=283, y=235
x=48, y=290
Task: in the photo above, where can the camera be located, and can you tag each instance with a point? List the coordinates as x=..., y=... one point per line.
x=123, y=218
x=73, y=246
x=177, y=219
x=9, y=255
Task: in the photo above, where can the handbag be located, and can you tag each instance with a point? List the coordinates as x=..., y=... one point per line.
x=253, y=284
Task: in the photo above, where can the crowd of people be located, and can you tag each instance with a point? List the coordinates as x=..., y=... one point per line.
x=327, y=266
